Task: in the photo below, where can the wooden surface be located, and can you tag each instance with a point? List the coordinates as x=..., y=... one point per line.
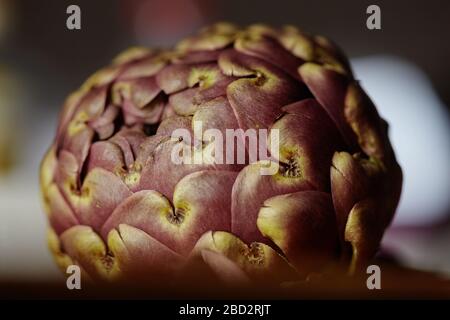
x=396, y=283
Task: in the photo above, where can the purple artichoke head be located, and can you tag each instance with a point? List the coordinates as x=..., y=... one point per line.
x=133, y=191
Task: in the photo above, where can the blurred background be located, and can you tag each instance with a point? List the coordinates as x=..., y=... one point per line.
x=404, y=67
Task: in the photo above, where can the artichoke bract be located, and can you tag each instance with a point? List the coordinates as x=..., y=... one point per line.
x=123, y=210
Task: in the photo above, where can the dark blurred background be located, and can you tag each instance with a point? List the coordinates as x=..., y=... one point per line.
x=415, y=30
x=404, y=67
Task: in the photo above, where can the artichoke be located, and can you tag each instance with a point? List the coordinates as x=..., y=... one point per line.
x=123, y=210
